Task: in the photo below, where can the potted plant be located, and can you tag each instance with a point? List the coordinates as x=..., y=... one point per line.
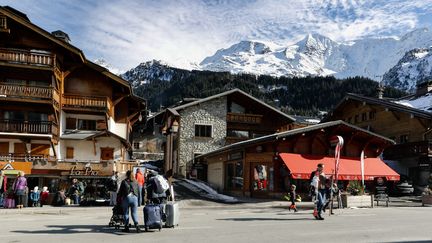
x=427, y=194
x=355, y=196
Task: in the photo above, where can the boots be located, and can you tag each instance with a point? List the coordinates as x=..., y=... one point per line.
x=126, y=228
x=137, y=228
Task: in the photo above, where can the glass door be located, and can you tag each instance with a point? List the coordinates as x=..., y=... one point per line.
x=262, y=180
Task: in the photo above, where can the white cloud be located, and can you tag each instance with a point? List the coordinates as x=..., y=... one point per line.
x=127, y=32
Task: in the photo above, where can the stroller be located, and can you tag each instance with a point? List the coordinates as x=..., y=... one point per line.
x=117, y=218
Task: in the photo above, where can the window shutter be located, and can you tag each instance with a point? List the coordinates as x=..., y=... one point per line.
x=71, y=123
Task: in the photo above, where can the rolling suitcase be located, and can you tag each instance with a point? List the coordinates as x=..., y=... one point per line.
x=152, y=217
x=172, y=214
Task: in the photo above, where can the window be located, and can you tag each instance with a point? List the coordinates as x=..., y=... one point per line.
x=236, y=108
x=69, y=153
x=71, y=123
x=86, y=125
x=372, y=115
x=107, y=153
x=203, y=131
x=234, y=175
x=3, y=23
x=356, y=118
x=364, y=116
x=403, y=138
x=136, y=145
x=35, y=116
x=349, y=119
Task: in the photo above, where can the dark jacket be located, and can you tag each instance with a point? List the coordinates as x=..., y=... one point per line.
x=127, y=187
x=293, y=196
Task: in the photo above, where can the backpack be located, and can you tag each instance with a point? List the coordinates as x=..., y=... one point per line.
x=161, y=184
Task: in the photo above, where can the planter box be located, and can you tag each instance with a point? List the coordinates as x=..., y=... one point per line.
x=426, y=199
x=364, y=201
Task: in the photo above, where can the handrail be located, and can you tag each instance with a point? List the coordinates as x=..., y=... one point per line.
x=37, y=127
x=26, y=91
x=32, y=57
x=85, y=101
x=244, y=118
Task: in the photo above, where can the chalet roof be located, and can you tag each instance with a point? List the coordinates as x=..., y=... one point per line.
x=15, y=15
x=383, y=102
x=22, y=19
x=293, y=132
x=226, y=93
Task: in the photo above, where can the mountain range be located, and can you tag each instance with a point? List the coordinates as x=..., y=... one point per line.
x=318, y=55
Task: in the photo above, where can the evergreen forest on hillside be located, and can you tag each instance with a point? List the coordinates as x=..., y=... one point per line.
x=295, y=96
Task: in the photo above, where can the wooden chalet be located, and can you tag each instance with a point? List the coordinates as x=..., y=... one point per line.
x=59, y=112
x=262, y=167
x=409, y=127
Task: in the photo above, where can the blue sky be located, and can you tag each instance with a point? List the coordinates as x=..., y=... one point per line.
x=128, y=32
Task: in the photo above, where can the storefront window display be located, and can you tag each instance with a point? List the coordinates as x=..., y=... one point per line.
x=234, y=175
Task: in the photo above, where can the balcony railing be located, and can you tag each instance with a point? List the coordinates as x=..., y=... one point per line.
x=17, y=56
x=26, y=92
x=421, y=148
x=12, y=157
x=100, y=103
x=16, y=126
x=244, y=118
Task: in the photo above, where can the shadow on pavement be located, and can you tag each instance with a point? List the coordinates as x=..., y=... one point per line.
x=266, y=219
x=77, y=229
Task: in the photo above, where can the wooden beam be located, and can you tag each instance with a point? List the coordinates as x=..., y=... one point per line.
x=118, y=100
x=422, y=123
x=94, y=146
x=131, y=116
x=395, y=115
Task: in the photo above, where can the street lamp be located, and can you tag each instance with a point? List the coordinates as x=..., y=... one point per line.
x=174, y=126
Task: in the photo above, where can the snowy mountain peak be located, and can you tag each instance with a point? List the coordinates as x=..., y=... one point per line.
x=413, y=68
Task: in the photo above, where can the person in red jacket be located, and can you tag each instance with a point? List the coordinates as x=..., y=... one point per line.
x=140, y=180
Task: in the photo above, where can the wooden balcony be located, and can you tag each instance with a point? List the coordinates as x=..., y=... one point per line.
x=27, y=93
x=86, y=103
x=33, y=127
x=405, y=150
x=244, y=118
x=25, y=57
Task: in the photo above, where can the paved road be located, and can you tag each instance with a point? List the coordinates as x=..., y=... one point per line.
x=212, y=222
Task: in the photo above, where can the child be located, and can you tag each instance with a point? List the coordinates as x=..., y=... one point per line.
x=35, y=197
x=292, y=194
x=44, y=196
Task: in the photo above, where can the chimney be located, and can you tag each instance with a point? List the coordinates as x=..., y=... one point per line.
x=424, y=88
x=61, y=35
x=380, y=91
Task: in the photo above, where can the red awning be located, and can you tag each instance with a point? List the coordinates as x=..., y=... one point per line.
x=301, y=167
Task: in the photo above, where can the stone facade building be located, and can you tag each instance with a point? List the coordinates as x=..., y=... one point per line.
x=207, y=124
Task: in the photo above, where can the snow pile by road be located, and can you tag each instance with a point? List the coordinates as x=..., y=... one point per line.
x=205, y=191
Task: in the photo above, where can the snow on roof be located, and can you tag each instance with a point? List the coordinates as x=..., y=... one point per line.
x=423, y=103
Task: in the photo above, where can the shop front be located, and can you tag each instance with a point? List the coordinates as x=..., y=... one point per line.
x=265, y=167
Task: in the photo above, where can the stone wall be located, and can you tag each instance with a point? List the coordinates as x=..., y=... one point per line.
x=212, y=113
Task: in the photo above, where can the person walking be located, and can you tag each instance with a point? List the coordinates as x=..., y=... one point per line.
x=293, y=198
x=140, y=180
x=318, y=182
x=128, y=193
x=19, y=187
x=112, y=188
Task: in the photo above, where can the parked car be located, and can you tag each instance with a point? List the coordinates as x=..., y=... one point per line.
x=404, y=187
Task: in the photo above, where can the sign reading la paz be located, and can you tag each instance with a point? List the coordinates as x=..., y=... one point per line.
x=88, y=171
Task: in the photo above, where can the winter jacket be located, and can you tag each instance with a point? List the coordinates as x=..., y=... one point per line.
x=140, y=178
x=127, y=187
x=20, y=183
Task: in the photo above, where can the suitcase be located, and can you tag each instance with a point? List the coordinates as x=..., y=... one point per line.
x=9, y=203
x=172, y=214
x=152, y=217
